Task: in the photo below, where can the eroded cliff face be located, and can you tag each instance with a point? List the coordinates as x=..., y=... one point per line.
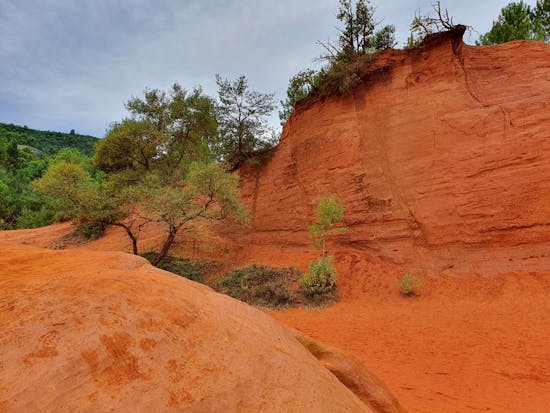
x=441, y=157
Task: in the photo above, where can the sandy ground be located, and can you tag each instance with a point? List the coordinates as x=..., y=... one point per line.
x=468, y=344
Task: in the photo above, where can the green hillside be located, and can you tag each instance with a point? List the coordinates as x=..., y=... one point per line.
x=48, y=142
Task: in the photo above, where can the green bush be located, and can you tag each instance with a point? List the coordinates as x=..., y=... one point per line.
x=192, y=270
x=320, y=279
x=260, y=285
x=339, y=77
x=409, y=285
x=35, y=219
x=91, y=230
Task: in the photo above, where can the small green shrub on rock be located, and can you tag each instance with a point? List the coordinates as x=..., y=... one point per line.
x=409, y=285
x=320, y=280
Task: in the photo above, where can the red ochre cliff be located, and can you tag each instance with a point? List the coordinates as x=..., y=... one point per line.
x=441, y=157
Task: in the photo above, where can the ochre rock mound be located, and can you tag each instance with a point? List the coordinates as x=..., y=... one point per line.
x=350, y=372
x=441, y=157
x=93, y=331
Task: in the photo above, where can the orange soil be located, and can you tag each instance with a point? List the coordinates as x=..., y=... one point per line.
x=467, y=344
x=86, y=331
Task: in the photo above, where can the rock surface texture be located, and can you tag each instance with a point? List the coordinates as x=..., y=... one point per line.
x=441, y=157
x=87, y=331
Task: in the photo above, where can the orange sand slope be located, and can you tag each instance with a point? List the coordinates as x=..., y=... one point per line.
x=468, y=344
x=96, y=331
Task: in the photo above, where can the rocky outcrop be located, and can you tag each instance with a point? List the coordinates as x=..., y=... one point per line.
x=441, y=157
x=95, y=332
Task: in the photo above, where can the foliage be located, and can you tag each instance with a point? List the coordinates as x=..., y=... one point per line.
x=46, y=142
x=79, y=195
x=541, y=19
x=18, y=202
x=384, y=38
x=342, y=71
x=329, y=214
x=320, y=280
x=91, y=230
x=299, y=87
x=260, y=285
x=357, y=33
x=209, y=192
x=192, y=270
x=518, y=21
x=242, y=121
x=409, y=285
x=164, y=133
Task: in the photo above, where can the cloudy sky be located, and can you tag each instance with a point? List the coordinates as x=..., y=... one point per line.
x=71, y=64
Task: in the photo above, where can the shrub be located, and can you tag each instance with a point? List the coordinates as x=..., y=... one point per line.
x=91, y=230
x=339, y=77
x=409, y=285
x=192, y=270
x=320, y=279
x=260, y=285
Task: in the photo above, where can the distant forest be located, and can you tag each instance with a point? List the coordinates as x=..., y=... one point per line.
x=49, y=143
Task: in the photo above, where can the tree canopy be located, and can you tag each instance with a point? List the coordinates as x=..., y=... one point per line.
x=299, y=87
x=163, y=133
x=518, y=21
x=153, y=166
x=242, y=121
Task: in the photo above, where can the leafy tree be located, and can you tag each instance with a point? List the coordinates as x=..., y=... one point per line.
x=164, y=132
x=298, y=88
x=541, y=18
x=384, y=38
x=358, y=26
x=515, y=22
x=18, y=167
x=329, y=213
x=242, y=121
x=209, y=193
x=77, y=196
x=357, y=34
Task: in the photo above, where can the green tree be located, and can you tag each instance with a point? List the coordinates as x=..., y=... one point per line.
x=164, y=133
x=384, y=38
x=329, y=214
x=357, y=32
x=517, y=21
x=77, y=196
x=541, y=17
x=242, y=121
x=209, y=193
x=321, y=276
x=298, y=88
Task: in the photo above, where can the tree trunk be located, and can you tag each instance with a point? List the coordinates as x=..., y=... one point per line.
x=131, y=235
x=165, y=246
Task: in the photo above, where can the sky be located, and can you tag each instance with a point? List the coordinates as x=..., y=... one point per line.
x=72, y=64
